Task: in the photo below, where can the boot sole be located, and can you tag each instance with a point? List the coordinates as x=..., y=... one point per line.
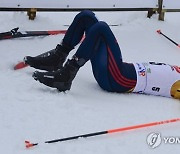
x=62, y=86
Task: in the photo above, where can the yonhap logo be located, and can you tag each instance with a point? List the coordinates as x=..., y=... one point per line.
x=154, y=140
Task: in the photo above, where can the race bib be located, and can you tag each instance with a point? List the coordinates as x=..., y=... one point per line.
x=159, y=79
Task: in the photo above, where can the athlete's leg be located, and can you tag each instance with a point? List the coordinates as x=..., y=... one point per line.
x=101, y=47
x=54, y=59
x=80, y=25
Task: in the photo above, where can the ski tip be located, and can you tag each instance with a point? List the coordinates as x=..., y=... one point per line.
x=20, y=65
x=179, y=45
x=158, y=31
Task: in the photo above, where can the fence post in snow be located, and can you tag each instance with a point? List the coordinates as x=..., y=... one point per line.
x=160, y=10
x=32, y=13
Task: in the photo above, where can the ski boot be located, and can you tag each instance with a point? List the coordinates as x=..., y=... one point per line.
x=61, y=79
x=49, y=61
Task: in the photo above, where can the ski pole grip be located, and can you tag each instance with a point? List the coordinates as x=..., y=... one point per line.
x=28, y=144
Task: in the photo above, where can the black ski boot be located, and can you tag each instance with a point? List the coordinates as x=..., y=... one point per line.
x=51, y=60
x=61, y=79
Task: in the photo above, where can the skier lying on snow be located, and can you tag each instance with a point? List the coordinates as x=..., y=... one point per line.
x=111, y=73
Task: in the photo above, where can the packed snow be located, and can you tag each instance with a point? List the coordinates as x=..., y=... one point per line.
x=34, y=112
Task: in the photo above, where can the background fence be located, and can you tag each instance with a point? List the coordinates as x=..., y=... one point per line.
x=32, y=6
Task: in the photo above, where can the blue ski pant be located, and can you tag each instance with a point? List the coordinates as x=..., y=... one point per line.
x=101, y=48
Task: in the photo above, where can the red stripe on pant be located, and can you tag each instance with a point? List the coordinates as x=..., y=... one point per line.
x=118, y=79
x=117, y=69
x=115, y=72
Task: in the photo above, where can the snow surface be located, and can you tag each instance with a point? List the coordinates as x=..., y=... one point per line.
x=32, y=111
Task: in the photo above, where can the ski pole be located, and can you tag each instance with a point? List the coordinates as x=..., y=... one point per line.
x=159, y=32
x=29, y=144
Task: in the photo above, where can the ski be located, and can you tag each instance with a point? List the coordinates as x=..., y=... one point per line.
x=14, y=33
x=20, y=65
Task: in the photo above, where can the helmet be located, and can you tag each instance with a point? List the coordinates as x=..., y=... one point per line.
x=175, y=90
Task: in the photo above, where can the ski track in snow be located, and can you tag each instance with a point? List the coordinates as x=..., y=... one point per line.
x=32, y=111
